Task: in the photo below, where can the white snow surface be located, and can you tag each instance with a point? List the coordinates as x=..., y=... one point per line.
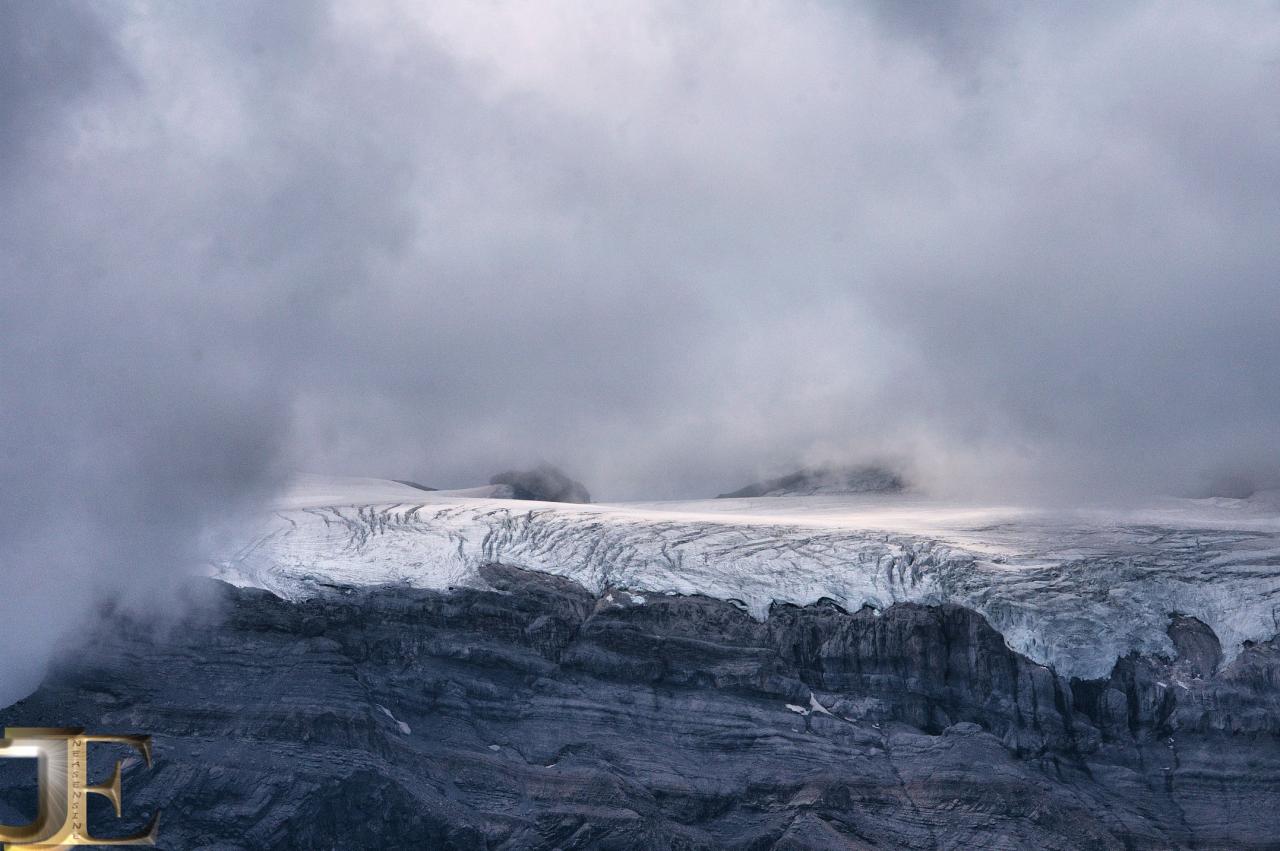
x=400, y=725
x=1073, y=589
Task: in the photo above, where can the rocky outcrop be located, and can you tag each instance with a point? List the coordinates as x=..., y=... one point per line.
x=543, y=483
x=534, y=714
x=869, y=478
x=415, y=485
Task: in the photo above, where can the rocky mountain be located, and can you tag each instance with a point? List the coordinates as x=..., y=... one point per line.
x=531, y=713
x=814, y=481
x=386, y=667
x=543, y=483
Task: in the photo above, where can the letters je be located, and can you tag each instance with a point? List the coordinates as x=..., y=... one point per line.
x=62, y=774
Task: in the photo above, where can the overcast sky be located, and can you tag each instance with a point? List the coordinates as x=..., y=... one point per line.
x=1018, y=248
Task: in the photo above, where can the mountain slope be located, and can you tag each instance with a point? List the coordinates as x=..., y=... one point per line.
x=531, y=713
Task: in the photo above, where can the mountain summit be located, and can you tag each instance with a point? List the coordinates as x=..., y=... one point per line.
x=544, y=483
x=810, y=481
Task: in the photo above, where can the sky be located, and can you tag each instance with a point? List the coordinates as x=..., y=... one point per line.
x=1018, y=250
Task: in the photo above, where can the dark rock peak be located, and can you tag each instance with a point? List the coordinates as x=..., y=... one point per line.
x=867, y=478
x=544, y=483
x=413, y=484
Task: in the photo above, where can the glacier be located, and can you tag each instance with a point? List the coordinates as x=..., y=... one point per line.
x=1071, y=589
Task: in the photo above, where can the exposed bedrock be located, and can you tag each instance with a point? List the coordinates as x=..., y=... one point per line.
x=534, y=714
x=544, y=483
x=866, y=478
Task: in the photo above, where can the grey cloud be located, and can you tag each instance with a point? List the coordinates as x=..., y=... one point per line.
x=673, y=249
x=51, y=55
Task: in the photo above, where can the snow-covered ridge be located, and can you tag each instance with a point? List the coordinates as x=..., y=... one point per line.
x=1071, y=589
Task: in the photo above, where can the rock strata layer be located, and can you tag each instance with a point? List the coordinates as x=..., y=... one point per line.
x=534, y=714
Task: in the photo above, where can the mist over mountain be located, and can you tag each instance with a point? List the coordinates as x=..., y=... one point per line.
x=1029, y=249
x=992, y=242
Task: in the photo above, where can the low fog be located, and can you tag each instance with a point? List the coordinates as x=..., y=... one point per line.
x=1023, y=251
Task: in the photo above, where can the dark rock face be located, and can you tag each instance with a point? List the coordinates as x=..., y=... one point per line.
x=536, y=715
x=825, y=480
x=413, y=484
x=543, y=483
x=1199, y=651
